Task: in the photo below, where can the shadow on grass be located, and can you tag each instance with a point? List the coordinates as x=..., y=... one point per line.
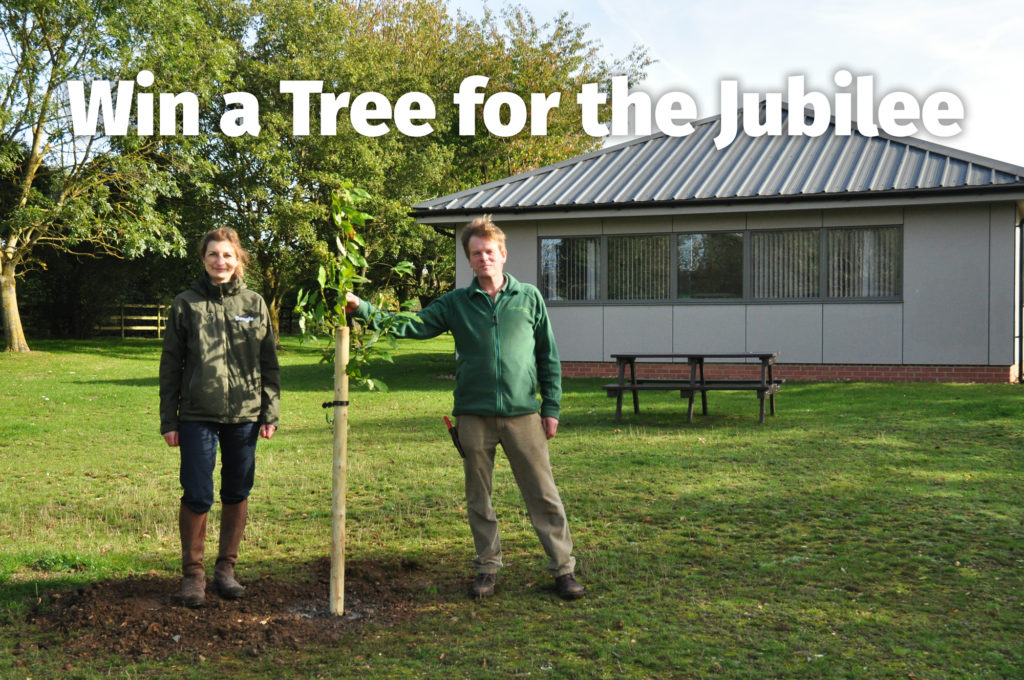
x=116, y=348
x=19, y=597
x=799, y=405
x=419, y=371
x=128, y=382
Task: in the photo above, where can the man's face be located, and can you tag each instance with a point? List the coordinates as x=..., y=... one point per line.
x=486, y=257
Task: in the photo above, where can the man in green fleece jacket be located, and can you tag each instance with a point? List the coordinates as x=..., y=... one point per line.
x=505, y=353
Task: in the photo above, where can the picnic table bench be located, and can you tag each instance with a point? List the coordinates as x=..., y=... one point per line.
x=768, y=384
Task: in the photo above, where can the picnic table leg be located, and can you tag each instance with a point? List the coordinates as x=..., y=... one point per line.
x=760, y=395
x=689, y=409
x=618, y=400
x=703, y=393
x=632, y=379
x=694, y=363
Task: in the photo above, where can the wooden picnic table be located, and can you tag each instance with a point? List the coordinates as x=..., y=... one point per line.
x=768, y=385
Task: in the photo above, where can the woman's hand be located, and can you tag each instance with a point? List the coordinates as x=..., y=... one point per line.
x=172, y=438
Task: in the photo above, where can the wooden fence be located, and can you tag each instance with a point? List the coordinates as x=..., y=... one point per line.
x=136, y=318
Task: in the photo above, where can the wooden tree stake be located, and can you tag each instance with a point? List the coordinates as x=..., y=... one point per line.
x=340, y=465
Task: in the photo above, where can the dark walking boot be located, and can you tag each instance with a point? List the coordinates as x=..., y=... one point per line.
x=568, y=587
x=192, y=526
x=483, y=586
x=232, y=525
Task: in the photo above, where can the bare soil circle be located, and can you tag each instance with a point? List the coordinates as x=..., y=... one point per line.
x=142, y=617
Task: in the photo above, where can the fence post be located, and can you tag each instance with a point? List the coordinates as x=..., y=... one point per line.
x=143, y=320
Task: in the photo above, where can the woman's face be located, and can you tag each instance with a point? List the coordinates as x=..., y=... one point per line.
x=221, y=261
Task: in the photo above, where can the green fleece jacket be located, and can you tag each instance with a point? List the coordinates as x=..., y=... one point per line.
x=219, y=361
x=505, y=349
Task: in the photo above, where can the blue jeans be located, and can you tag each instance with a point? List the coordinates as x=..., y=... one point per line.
x=199, y=456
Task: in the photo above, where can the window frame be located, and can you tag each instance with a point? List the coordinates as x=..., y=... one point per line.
x=744, y=250
x=602, y=267
x=671, y=287
x=747, y=298
x=748, y=265
x=826, y=262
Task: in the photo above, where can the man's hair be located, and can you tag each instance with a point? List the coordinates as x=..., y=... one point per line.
x=231, y=236
x=484, y=228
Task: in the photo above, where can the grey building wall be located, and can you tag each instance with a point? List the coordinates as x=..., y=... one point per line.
x=958, y=285
x=1003, y=287
x=958, y=307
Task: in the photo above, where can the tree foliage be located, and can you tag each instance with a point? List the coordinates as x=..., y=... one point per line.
x=64, y=191
x=135, y=195
x=522, y=56
x=322, y=310
x=274, y=187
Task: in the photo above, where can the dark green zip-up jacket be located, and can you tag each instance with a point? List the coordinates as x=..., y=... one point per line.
x=505, y=348
x=219, y=362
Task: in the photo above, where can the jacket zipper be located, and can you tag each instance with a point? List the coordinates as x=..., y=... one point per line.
x=224, y=339
x=497, y=354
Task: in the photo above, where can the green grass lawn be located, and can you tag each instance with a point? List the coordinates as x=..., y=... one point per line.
x=865, y=531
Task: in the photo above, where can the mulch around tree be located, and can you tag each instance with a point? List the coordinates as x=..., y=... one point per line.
x=141, y=617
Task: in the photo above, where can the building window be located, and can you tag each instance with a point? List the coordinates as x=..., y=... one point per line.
x=864, y=263
x=784, y=264
x=710, y=265
x=798, y=265
x=570, y=268
x=639, y=267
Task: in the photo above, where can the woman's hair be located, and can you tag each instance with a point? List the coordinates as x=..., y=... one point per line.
x=485, y=229
x=231, y=236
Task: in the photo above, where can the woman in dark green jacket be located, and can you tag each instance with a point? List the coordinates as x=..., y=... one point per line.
x=219, y=385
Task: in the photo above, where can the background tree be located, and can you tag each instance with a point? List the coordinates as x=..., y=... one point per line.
x=274, y=188
x=519, y=55
x=134, y=195
x=99, y=192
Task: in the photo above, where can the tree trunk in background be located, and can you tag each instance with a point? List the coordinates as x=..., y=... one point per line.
x=274, y=309
x=14, y=333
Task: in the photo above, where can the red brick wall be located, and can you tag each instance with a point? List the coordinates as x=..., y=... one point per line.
x=808, y=372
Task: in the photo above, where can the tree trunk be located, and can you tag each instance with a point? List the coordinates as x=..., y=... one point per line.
x=274, y=309
x=14, y=333
x=272, y=295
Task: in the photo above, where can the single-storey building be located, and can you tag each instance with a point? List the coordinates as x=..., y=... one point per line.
x=853, y=257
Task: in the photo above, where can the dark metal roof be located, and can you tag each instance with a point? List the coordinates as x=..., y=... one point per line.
x=660, y=170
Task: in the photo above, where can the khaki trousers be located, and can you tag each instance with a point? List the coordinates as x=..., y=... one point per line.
x=526, y=447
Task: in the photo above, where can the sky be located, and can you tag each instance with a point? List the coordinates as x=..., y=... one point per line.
x=974, y=50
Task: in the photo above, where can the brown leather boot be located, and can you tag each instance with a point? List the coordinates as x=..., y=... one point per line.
x=193, y=577
x=232, y=525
